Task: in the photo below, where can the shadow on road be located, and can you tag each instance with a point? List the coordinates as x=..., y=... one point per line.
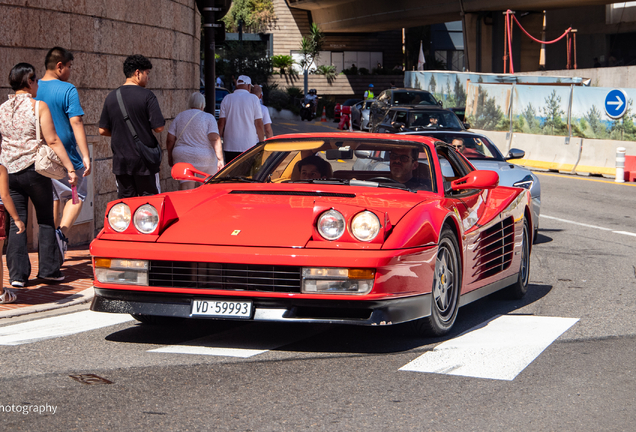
x=328, y=338
x=542, y=238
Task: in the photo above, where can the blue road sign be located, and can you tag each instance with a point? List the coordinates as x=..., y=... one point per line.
x=616, y=103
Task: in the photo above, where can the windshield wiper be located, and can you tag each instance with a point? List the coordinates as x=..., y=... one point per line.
x=234, y=178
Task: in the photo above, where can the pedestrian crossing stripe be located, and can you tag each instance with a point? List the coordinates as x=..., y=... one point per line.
x=58, y=326
x=499, y=349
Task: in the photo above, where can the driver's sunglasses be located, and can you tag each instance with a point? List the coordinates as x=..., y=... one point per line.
x=402, y=158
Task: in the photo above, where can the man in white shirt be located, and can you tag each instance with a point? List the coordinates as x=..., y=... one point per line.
x=267, y=120
x=240, y=120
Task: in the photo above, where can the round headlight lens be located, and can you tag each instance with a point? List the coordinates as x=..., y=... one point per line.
x=146, y=219
x=119, y=217
x=331, y=225
x=365, y=226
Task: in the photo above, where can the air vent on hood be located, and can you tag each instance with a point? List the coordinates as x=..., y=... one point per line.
x=494, y=249
x=294, y=193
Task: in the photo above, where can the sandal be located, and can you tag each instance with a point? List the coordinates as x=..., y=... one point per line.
x=7, y=297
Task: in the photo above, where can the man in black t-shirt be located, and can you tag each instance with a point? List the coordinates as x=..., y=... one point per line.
x=132, y=175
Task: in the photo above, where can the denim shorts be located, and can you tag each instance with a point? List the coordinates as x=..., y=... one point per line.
x=62, y=188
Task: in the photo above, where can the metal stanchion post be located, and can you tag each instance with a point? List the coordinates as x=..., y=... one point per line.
x=620, y=165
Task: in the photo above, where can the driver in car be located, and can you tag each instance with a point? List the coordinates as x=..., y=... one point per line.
x=433, y=121
x=403, y=165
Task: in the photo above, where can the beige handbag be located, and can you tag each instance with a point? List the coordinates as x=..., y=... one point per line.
x=47, y=162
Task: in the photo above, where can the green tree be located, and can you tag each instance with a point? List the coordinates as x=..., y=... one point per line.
x=530, y=116
x=552, y=112
x=593, y=118
x=518, y=124
x=460, y=93
x=432, y=84
x=284, y=63
x=256, y=15
x=310, y=46
x=244, y=59
x=488, y=115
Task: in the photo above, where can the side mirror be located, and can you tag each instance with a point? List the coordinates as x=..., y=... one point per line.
x=185, y=171
x=466, y=125
x=480, y=179
x=515, y=153
x=440, y=103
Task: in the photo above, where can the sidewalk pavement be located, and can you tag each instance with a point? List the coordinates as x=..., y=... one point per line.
x=40, y=295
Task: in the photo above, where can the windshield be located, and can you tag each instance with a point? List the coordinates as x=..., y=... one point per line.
x=360, y=162
x=413, y=98
x=471, y=146
x=433, y=120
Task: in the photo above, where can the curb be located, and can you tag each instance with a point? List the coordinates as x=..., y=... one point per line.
x=72, y=300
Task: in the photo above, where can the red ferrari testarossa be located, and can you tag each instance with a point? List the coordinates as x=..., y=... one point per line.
x=290, y=231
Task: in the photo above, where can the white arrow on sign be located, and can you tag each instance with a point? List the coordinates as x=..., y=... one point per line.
x=618, y=103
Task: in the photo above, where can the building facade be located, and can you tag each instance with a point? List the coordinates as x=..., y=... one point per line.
x=101, y=34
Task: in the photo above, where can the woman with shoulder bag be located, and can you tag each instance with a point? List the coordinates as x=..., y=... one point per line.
x=19, y=130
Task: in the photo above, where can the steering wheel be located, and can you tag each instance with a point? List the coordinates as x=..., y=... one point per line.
x=386, y=179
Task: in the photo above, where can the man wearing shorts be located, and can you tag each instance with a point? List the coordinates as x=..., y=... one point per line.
x=63, y=101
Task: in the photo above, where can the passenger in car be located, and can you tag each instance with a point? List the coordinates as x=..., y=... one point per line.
x=314, y=167
x=404, y=168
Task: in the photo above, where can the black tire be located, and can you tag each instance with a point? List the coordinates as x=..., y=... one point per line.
x=520, y=288
x=446, y=286
x=157, y=320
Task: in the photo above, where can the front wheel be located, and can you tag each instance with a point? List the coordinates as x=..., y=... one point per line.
x=446, y=288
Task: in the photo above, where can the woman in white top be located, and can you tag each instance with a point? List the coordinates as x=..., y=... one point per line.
x=193, y=137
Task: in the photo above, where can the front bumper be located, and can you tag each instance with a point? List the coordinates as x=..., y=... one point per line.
x=366, y=313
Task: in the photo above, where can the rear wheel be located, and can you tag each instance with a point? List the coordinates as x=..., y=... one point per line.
x=446, y=287
x=157, y=320
x=519, y=288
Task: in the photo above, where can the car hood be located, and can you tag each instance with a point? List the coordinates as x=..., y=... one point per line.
x=273, y=218
x=509, y=173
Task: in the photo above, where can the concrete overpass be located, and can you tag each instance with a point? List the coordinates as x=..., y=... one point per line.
x=380, y=15
x=603, y=33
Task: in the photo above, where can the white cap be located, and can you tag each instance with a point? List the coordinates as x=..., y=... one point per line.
x=243, y=79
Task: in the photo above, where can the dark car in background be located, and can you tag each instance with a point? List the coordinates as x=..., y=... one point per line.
x=418, y=118
x=399, y=97
x=460, y=112
x=219, y=94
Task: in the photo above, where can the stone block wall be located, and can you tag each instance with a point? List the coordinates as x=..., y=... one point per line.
x=101, y=34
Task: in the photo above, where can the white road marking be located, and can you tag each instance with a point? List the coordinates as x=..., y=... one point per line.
x=589, y=226
x=62, y=325
x=499, y=349
x=243, y=342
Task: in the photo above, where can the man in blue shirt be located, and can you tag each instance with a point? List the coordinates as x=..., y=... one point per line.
x=63, y=101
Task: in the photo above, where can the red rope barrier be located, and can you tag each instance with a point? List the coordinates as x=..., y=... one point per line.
x=535, y=39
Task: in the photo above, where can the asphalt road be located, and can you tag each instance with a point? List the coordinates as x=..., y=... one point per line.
x=302, y=377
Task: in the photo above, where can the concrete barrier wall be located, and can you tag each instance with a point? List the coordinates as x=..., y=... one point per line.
x=580, y=155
